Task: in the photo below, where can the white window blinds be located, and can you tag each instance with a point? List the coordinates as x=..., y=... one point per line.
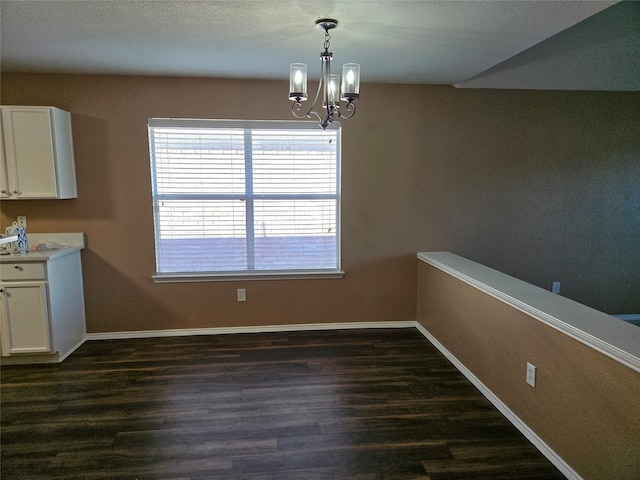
x=244, y=196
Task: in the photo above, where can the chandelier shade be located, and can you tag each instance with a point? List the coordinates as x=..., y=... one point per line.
x=298, y=81
x=350, y=81
x=333, y=90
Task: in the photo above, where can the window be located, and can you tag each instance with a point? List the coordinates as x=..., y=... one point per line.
x=244, y=198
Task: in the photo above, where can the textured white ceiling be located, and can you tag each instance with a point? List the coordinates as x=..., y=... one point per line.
x=403, y=41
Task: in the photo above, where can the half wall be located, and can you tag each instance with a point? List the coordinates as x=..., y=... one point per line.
x=585, y=406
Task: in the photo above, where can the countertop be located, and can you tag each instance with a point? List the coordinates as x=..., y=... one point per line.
x=69, y=242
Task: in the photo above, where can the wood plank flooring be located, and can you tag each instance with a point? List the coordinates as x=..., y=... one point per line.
x=339, y=404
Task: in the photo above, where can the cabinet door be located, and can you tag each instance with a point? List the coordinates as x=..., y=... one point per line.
x=4, y=180
x=29, y=151
x=25, y=318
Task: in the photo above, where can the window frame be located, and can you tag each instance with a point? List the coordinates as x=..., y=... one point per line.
x=240, y=275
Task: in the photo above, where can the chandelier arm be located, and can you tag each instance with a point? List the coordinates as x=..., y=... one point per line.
x=315, y=100
x=317, y=116
x=295, y=109
x=324, y=122
x=350, y=107
x=320, y=82
x=326, y=76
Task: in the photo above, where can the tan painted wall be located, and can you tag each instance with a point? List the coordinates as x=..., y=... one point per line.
x=109, y=116
x=584, y=406
x=425, y=168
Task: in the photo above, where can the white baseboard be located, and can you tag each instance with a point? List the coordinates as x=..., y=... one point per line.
x=72, y=349
x=183, y=332
x=559, y=463
x=39, y=358
x=554, y=458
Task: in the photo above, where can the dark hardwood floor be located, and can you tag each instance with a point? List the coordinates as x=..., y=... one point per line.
x=344, y=404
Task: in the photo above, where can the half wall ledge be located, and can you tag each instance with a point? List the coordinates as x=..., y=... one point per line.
x=604, y=333
x=582, y=411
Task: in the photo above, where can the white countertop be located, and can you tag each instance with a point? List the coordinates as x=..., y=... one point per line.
x=69, y=243
x=611, y=336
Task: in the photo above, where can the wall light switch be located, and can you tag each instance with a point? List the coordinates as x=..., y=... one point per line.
x=22, y=221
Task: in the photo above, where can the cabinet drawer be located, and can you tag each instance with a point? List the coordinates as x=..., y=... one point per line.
x=22, y=271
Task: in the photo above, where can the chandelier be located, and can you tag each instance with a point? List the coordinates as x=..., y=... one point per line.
x=328, y=84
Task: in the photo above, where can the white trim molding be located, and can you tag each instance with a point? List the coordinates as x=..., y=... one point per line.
x=246, y=276
x=552, y=456
x=183, y=332
x=519, y=424
x=604, y=333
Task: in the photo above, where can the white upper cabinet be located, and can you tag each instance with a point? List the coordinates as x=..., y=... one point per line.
x=4, y=179
x=38, y=154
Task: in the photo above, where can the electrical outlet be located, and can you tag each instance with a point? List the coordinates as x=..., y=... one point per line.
x=22, y=221
x=242, y=294
x=555, y=287
x=531, y=375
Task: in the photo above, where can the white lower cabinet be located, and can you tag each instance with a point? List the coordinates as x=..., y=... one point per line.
x=26, y=318
x=42, y=314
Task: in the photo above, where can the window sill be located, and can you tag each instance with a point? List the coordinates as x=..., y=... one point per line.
x=185, y=277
